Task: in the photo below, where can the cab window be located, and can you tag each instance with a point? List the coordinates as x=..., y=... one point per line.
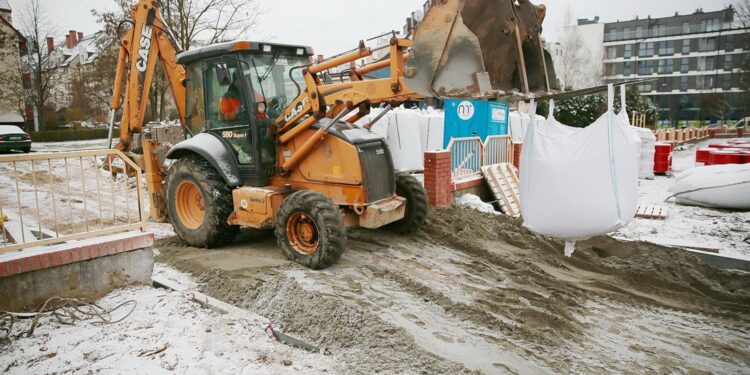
x=226, y=102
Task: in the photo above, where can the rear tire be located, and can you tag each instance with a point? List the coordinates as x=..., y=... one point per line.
x=416, y=204
x=199, y=203
x=310, y=229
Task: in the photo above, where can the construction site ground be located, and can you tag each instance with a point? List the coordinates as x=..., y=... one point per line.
x=471, y=292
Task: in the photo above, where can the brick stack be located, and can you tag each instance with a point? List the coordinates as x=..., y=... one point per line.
x=437, y=178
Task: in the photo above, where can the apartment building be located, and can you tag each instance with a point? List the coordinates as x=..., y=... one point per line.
x=696, y=62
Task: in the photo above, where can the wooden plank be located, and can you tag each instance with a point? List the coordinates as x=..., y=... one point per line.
x=504, y=186
x=652, y=212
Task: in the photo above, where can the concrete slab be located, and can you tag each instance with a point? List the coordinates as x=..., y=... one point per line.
x=82, y=269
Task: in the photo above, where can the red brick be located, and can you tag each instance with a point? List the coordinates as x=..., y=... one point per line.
x=56, y=258
x=26, y=265
x=67, y=257
x=46, y=261
x=4, y=269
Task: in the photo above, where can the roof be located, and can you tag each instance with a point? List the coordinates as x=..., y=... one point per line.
x=92, y=46
x=219, y=49
x=5, y=5
x=10, y=129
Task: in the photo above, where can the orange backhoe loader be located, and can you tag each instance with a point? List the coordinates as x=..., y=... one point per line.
x=270, y=146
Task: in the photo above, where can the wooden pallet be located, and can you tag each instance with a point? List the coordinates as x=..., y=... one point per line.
x=503, y=182
x=653, y=212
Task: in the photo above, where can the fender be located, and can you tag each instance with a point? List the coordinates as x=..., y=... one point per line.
x=212, y=148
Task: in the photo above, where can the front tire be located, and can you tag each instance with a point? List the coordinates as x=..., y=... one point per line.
x=199, y=203
x=416, y=204
x=310, y=230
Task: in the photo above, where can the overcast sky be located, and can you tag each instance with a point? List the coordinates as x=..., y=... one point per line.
x=333, y=26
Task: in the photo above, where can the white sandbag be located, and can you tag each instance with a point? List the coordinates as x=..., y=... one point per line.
x=518, y=126
x=432, y=129
x=474, y=202
x=580, y=185
x=648, y=149
x=404, y=140
x=715, y=186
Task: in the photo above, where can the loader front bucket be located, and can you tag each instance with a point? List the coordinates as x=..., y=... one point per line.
x=479, y=49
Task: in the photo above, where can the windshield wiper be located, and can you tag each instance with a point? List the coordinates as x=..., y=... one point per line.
x=274, y=59
x=260, y=80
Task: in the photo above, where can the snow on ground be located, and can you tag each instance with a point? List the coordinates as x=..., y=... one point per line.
x=94, y=144
x=200, y=341
x=688, y=226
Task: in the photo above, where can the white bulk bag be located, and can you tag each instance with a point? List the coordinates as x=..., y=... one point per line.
x=432, y=129
x=582, y=184
x=716, y=186
x=381, y=127
x=404, y=140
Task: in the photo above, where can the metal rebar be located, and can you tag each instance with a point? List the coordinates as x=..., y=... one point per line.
x=20, y=208
x=98, y=192
x=36, y=199
x=54, y=203
x=70, y=195
x=83, y=186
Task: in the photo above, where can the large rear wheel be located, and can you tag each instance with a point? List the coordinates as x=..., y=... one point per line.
x=310, y=230
x=416, y=204
x=199, y=203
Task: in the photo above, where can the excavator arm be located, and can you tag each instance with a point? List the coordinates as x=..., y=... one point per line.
x=146, y=43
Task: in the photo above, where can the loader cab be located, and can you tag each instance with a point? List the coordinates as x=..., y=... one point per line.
x=235, y=90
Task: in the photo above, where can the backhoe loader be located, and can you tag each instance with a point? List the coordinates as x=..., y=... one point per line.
x=269, y=145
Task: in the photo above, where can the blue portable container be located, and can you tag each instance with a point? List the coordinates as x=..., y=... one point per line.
x=469, y=118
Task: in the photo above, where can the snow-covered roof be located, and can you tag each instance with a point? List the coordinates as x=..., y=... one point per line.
x=5, y=5
x=87, y=49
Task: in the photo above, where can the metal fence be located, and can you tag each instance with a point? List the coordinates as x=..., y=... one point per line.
x=498, y=149
x=54, y=198
x=466, y=156
x=469, y=155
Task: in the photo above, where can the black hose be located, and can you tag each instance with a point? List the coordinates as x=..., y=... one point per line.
x=705, y=188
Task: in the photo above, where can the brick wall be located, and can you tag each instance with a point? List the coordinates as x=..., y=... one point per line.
x=517, y=147
x=437, y=178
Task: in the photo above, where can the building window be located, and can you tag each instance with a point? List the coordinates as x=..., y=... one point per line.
x=686, y=27
x=627, y=68
x=611, y=52
x=665, y=66
x=727, y=82
x=646, y=49
x=684, y=83
x=639, y=31
x=661, y=30
x=707, y=44
x=666, y=48
x=728, y=63
x=645, y=68
x=710, y=25
x=645, y=87
x=626, y=34
x=685, y=65
x=709, y=82
x=729, y=43
x=710, y=63
x=612, y=34
x=686, y=46
x=628, y=51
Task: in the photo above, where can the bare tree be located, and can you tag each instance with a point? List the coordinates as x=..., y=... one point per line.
x=580, y=68
x=42, y=67
x=742, y=7
x=198, y=22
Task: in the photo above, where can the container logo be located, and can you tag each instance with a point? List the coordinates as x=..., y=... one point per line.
x=465, y=110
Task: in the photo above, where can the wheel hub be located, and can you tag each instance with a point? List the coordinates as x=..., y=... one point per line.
x=302, y=233
x=190, y=206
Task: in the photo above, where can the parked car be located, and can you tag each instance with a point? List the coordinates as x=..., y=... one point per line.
x=742, y=123
x=14, y=138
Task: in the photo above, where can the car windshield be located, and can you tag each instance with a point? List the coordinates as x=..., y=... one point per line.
x=269, y=76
